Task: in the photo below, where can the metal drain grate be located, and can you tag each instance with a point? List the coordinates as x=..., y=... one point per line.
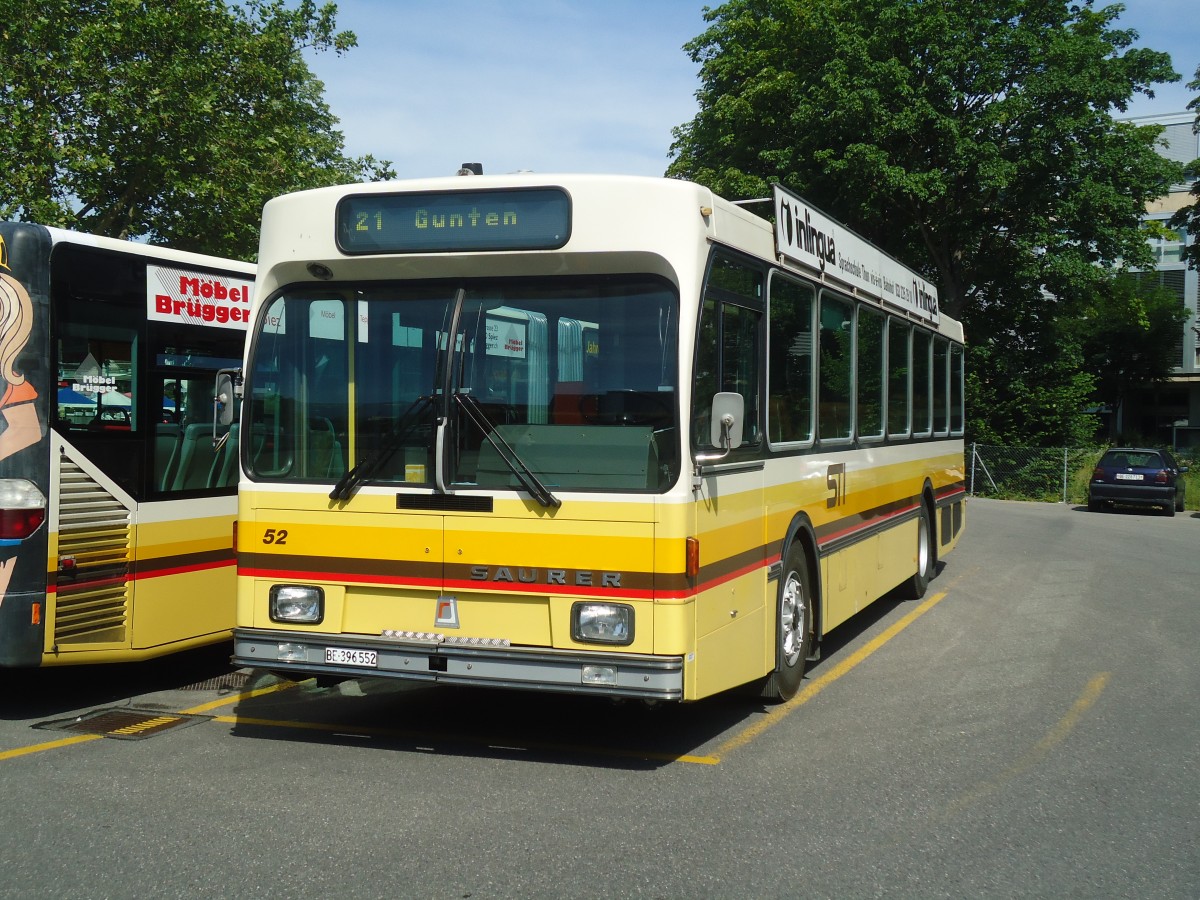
x=123, y=724
x=230, y=681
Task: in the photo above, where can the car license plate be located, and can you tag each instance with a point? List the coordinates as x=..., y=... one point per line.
x=342, y=656
x=1128, y=476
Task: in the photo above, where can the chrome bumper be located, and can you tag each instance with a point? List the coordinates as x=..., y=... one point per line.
x=302, y=654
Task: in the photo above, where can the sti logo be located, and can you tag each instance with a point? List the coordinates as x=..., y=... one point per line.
x=447, y=612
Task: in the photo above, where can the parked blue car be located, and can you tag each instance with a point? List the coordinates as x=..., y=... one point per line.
x=1137, y=476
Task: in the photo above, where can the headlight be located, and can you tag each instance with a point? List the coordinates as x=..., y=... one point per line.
x=602, y=623
x=296, y=603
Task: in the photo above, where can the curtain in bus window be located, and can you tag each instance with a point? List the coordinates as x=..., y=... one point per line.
x=789, y=374
x=922, y=416
x=834, y=417
x=869, y=405
x=899, y=388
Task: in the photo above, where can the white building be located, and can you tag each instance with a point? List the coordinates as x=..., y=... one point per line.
x=1170, y=412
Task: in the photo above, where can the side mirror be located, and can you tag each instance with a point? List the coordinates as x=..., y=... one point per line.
x=725, y=426
x=223, y=401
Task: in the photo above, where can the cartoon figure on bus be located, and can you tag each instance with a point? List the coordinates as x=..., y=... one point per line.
x=21, y=426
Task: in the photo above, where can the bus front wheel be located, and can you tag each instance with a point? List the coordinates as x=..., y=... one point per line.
x=793, y=628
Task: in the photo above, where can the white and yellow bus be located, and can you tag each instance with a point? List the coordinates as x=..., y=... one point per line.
x=589, y=434
x=116, y=506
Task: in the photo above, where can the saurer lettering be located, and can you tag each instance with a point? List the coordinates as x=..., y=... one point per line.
x=563, y=577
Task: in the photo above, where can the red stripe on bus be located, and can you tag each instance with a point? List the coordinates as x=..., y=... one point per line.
x=827, y=537
x=52, y=588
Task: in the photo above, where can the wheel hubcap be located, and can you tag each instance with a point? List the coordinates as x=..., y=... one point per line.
x=923, y=547
x=791, y=619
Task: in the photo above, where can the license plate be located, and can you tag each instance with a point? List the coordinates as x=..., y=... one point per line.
x=1128, y=476
x=342, y=656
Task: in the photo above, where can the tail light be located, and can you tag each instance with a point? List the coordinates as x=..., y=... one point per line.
x=22, y=509
x=1163, y=477
x=1097, y=474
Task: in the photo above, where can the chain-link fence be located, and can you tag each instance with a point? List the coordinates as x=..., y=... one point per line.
x=1050, y=474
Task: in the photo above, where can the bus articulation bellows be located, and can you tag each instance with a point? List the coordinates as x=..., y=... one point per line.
x=591, y=434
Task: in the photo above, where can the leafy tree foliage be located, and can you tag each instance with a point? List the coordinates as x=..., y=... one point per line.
x=976, y=141
x=1189, y=217
x=172, y=120
x=1130, y=337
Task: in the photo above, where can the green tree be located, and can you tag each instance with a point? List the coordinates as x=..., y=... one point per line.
x=976, y=141
x=1130, y=337
x=169, y=120
x=1188, y=218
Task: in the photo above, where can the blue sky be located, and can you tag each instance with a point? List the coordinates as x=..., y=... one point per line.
x=555, y=86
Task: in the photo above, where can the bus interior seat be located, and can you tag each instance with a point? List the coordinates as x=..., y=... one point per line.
x=224, y=470
x=167, y=438
x=196, y=456
x=324, y=450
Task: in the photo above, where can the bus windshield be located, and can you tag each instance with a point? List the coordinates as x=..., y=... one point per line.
x=566, y=384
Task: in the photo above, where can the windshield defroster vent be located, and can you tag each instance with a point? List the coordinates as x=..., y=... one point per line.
x=444, y=502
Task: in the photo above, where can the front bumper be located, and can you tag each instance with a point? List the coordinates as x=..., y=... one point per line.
x=303, y=654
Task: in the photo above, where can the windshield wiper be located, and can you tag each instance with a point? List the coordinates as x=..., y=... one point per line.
x=524, y=474
x=405, y=425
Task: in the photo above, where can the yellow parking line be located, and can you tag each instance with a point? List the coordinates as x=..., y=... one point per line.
x=84, y=738
x=237, y=698
x=814, y=687
x=1054, y=737
x=50, y=745
x=739, y=740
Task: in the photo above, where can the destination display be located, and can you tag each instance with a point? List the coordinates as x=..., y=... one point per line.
x=810, y=238
x=454, y=221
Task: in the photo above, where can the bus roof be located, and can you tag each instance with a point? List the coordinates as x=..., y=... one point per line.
x=153, y=251
x=655, y=215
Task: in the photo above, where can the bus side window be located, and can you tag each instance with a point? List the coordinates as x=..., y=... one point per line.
x=728, y=349
x=941, y=385
x=869, y=331
x=922, y=387
x=899, y=387
x=957, y=386
x=835, y=415
x=790, y=366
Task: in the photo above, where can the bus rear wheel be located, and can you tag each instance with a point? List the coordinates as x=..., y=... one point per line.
x=914, y=588
x=793, y=629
